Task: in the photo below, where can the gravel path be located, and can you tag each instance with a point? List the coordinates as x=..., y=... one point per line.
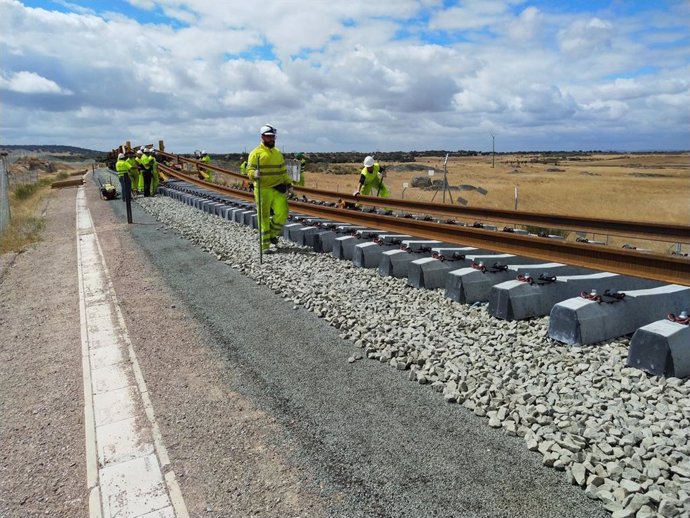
x=42, y=462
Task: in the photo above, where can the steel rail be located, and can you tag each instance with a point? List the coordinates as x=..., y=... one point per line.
x=637, y=229
x=660, y=267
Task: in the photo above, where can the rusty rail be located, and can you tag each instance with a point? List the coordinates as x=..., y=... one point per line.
x=664, y=268
x=624, y=228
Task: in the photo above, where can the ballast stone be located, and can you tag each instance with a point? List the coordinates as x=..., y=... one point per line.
x=661, y=348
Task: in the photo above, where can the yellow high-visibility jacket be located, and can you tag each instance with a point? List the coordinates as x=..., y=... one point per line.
x=122, y=166
x=372, y=182
x=271, y=164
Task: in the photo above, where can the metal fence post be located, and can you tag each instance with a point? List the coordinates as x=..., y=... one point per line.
x=4, y=194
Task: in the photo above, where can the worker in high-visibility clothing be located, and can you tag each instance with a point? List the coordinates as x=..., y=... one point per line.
x=243, y=171
x=134, y=172
x=266, y=168
x=302, y=165
x=205, y=172
x=122, y=166
x=371, y=178
x=155, y=179
x=144, y=172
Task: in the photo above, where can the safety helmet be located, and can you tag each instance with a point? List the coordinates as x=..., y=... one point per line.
x=203, y=152
x=120, y=156
x=369, y=161
x=140, y=151
x=267, y=129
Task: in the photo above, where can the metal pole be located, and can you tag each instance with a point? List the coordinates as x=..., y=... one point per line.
x=445, y=179
x=493, y=150
x=5, y=215
x=128, y=195
x=258, y=212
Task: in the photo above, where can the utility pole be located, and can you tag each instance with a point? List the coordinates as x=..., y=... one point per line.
x=493, y=148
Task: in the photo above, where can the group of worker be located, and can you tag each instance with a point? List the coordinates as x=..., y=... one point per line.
x=267, y=171
x=137, y=172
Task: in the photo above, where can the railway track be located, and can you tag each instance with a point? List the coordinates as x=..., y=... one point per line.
x=498, y=369
x=592, y=293
x=444, y=223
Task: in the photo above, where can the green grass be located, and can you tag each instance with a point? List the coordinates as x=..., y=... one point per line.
x=26, y=225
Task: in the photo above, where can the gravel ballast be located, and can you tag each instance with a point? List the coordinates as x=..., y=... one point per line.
x=616, y=432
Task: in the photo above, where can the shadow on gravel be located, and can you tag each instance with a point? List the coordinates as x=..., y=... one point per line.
x=294, y=250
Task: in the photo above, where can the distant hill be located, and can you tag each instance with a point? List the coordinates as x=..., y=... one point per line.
x=55, y=150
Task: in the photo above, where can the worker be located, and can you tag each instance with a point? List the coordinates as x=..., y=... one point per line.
x=206, y=173
x=134, y=172
x=266, y=169
x=302, y=165
x=155, y=180
x=122, y=166
x=147, y=161
x=243, y=171
x=371, y=178
x=139, y=185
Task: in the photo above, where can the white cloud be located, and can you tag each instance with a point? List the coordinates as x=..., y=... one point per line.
x=31, y=83
x=586, y=37
x=344, y=75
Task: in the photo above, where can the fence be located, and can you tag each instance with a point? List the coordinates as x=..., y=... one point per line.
x=4, y=194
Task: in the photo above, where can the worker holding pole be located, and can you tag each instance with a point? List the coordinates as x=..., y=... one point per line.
x=371, y=178
x=266, y=169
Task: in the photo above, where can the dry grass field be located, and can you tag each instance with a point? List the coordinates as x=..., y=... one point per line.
x=632, y=187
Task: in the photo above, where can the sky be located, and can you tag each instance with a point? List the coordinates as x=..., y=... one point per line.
x=349, y=75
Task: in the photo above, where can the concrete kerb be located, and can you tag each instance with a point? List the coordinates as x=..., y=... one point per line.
x=661, y=348
x=583, y=321
x=517, y=300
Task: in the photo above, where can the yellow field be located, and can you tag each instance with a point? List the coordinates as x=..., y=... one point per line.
x=639, y=187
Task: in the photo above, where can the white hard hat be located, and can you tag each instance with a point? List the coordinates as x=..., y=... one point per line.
x=267, y=129
x=120, y=156
x=203, y=152
x=140, y=151
x=369, y=161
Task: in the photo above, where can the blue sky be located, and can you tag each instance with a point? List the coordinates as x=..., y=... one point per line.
x=355, y=75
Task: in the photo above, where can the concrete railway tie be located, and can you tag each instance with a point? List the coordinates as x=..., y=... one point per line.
x=470, y=275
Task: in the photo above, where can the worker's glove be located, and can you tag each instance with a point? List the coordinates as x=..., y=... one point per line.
x=382, y=169
x=256, y=175
x=380, y=175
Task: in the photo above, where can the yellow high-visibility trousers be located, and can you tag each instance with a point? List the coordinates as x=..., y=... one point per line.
x=271, y=226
